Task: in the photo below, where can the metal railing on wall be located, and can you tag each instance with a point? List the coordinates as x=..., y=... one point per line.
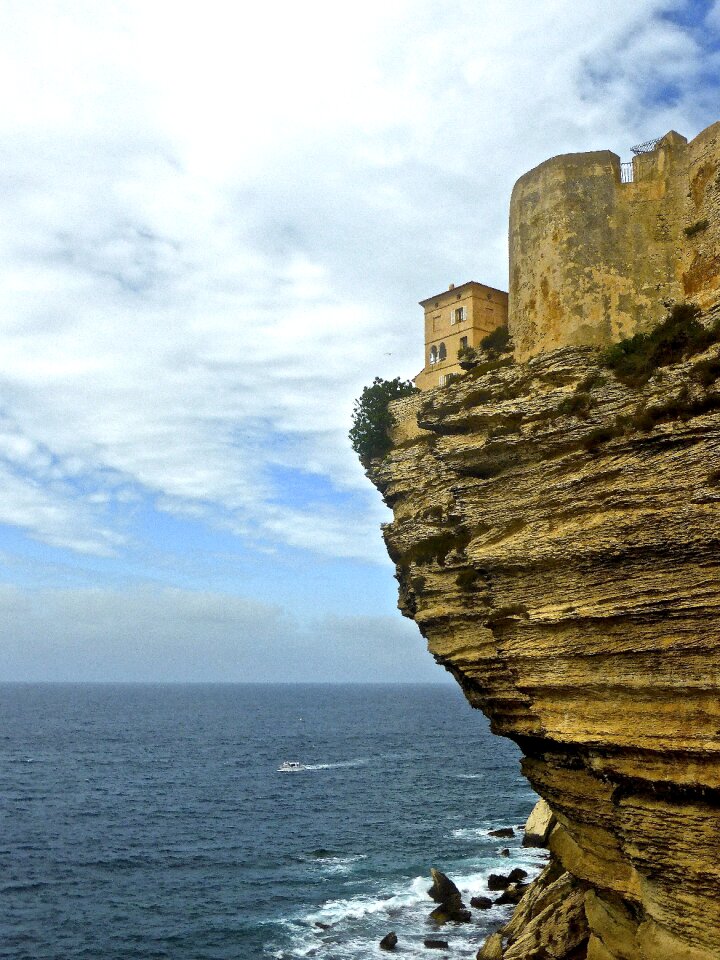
x=635, y=169
x=646, y=147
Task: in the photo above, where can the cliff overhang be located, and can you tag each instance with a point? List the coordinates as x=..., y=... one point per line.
x=556, y=540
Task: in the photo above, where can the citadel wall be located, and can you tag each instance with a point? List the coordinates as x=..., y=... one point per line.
x=592, y=258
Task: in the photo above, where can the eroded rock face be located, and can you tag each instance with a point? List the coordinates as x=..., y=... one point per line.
x=551, y=921
x=557, y=541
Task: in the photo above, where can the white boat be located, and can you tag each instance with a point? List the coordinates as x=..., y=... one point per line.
x=289, y=766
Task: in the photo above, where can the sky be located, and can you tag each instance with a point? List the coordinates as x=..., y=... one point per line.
x=217, y=221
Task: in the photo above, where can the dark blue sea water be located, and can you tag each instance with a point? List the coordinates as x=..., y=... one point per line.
x=152, y=822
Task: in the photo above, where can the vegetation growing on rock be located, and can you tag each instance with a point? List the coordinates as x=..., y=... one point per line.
x=497, y=342
x=697, y=227
x=492, y=348
x=679, y=336
x=372, y=420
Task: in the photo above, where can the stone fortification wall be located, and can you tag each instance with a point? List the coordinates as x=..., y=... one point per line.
x=592, y=259
x=701, y=249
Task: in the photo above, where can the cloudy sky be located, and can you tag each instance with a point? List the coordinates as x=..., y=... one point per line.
x=217, y=220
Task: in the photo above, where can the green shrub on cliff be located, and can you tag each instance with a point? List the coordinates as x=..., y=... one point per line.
x=370, y=432
x=679, y=335
x=497, y=342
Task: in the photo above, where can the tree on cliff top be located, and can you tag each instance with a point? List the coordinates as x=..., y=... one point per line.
x=370, y=432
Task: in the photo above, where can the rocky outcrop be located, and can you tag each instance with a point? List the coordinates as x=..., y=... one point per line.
x=556, y=540
x=492, y=949
x=538, y=826
x=446, y=894
x=550, y=922
x=389, y=941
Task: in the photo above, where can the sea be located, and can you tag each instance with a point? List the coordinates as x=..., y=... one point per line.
x=151, y=821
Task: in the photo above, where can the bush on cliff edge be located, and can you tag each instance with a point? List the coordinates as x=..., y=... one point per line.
x=370, y=432
x=497, y=342
x=678, y=336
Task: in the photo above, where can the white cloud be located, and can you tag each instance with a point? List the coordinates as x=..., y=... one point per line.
x=210, y=243
x=712, y=19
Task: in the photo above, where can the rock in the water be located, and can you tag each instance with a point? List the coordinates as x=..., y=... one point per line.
x=453, y=910
x=505, y=852
x=513, y=893
x=389, y=941
x=322, y=926
x=497, y=881
x=492, y=949
x=517, y=874
x=444, y=892
x=502, y=832
x=443, y=889
x=432, y=944
x=481, y=903
x=539, y=825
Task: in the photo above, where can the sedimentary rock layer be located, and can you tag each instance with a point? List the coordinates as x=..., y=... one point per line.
x=557, y=541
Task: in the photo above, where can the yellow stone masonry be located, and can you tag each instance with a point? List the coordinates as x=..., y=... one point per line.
x=592, y=259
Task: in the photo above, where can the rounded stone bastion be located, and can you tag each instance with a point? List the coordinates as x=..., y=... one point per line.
x=597, y=246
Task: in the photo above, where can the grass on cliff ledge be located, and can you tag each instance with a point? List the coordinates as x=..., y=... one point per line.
x=678, y=336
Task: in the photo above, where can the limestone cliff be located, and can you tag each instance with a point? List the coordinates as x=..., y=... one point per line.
x=557, y=542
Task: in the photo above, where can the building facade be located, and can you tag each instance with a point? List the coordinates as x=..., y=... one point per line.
x=459, y=317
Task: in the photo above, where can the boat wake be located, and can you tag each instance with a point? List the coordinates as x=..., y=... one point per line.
x=293, y=766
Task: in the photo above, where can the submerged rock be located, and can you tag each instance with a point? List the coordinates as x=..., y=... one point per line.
x=444, y=892
x=497, y=881
x=389, y=941
x=513, y=893
x=453, y=911
x=433, y=944
x=502, y=832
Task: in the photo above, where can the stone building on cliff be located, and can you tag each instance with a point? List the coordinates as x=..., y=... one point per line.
x=555, y=539
x=457, y=318
x=597, y=249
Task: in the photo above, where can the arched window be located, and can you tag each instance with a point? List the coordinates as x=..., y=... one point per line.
x=442, y=354
x=433, y=354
